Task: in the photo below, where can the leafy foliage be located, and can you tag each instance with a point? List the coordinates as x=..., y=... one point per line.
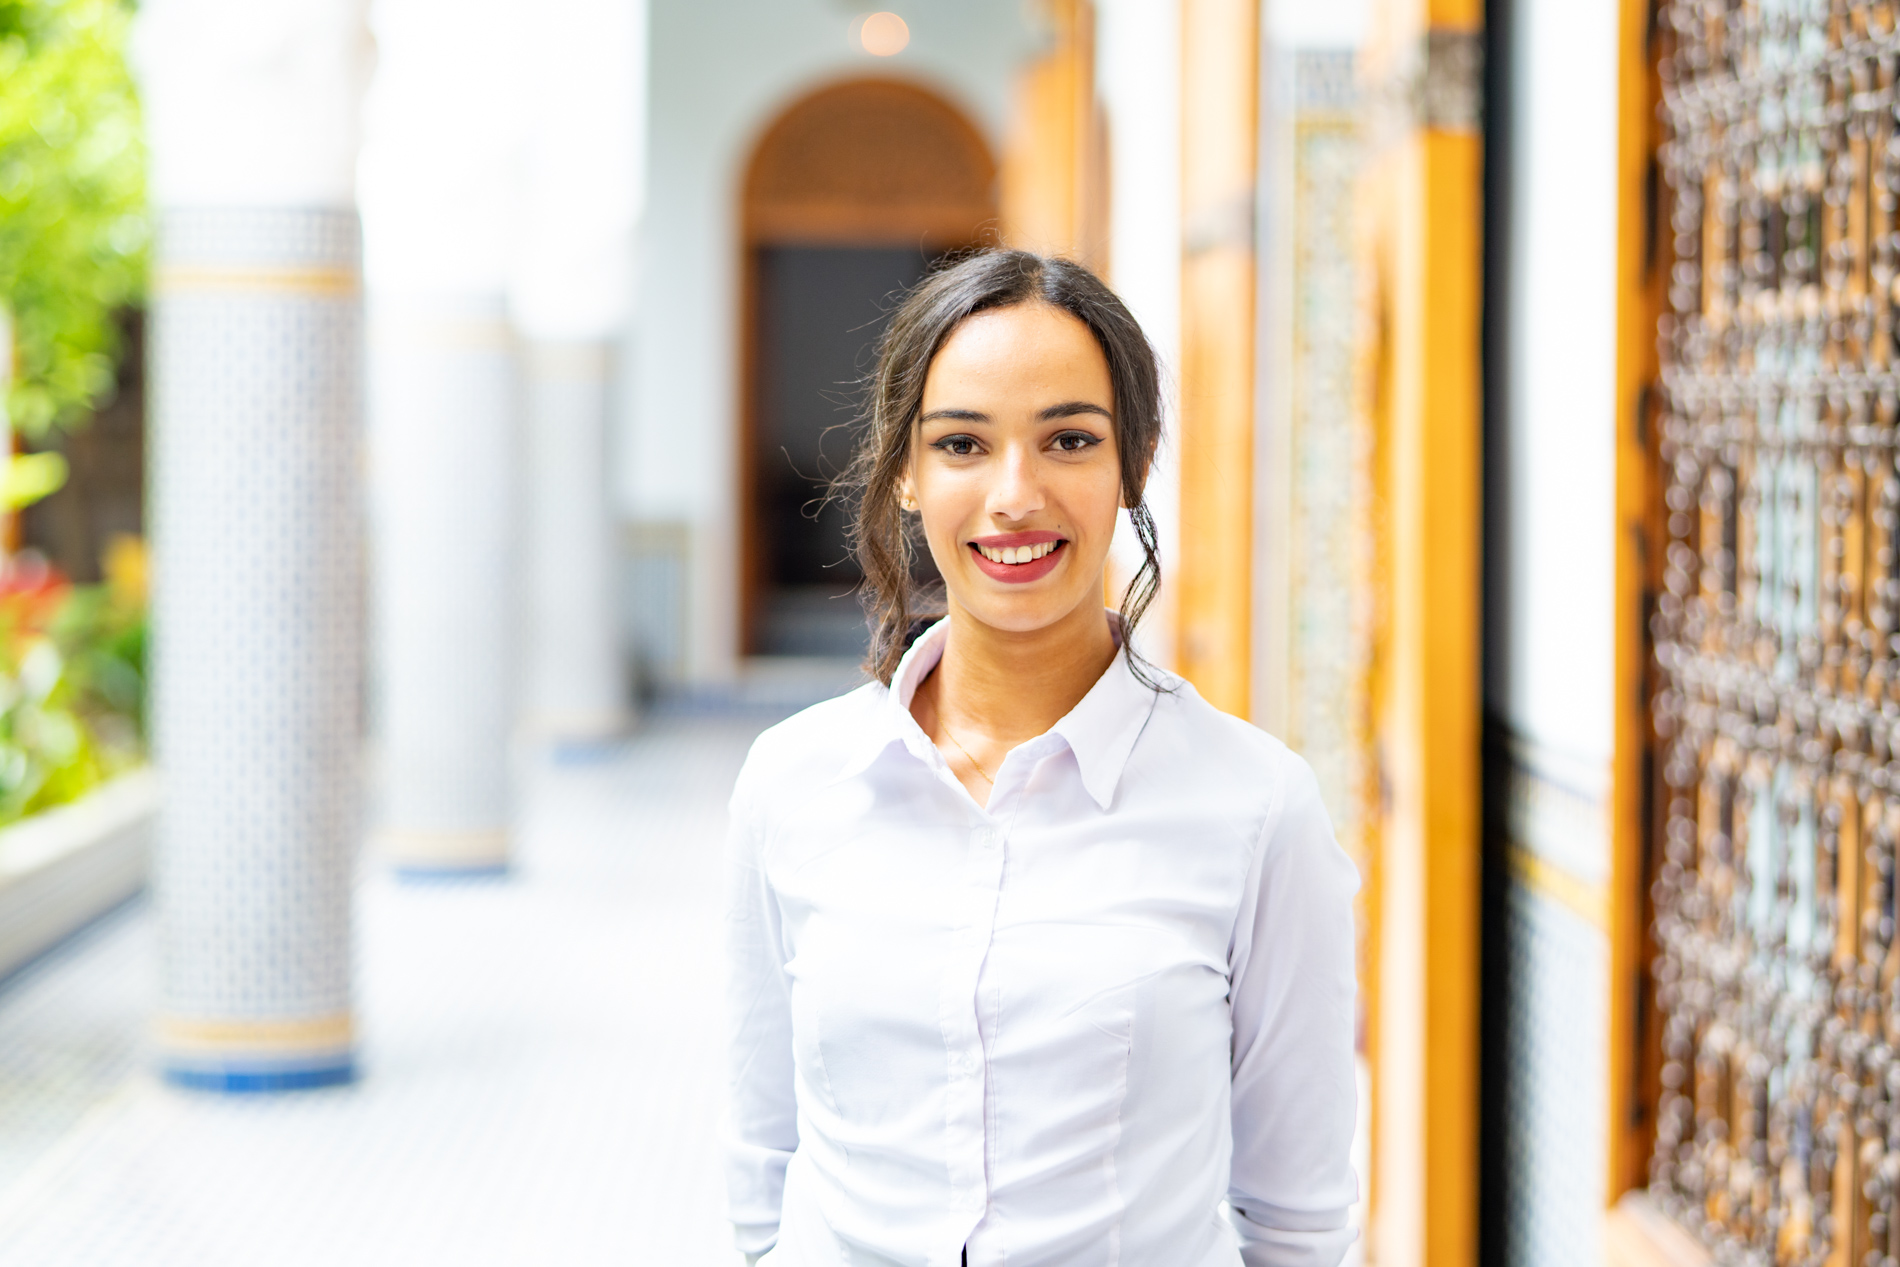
x=73, y=224
x=72, y=681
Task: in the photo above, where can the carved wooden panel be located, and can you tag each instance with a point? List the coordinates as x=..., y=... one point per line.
x=869, y=161
x=1779, y=713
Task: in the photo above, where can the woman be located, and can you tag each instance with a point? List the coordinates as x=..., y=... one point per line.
x=1037, y=958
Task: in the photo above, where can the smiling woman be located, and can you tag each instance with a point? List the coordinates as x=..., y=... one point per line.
x=1036, y=957
x=948, y=409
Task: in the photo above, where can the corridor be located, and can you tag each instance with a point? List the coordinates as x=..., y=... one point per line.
x=540, y=1056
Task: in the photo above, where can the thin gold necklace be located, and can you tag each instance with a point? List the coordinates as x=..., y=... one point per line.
x=965, y=751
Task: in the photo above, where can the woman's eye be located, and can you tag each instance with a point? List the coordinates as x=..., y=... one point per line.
x=956, y=446
x=1076, y=441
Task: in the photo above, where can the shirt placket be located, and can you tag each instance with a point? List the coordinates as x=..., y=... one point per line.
x=964, y=1114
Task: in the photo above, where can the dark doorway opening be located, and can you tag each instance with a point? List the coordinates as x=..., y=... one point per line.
x=819, y=312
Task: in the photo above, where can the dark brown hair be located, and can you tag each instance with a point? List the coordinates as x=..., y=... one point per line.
x=881, y=539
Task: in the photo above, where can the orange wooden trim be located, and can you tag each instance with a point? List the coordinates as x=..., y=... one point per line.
x=1447, y=566
x=1219, y=156
x=1423, y=265
x=1639, y=300
x=1054, y=171
x=746, y=454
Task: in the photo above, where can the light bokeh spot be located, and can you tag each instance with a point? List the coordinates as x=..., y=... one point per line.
x=883, y=34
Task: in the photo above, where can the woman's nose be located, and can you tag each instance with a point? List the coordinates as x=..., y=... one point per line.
x=1017, y=493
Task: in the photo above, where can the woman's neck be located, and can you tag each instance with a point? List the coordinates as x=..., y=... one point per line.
x=995, y=688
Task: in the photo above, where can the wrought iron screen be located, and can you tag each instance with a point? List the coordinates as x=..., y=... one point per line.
x=1778, y=707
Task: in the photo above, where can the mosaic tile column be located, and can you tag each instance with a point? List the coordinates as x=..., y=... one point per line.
x=256, y=640
x=443, y=408
x=577, y=689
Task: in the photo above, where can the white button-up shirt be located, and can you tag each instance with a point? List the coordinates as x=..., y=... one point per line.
x=1062, y=1029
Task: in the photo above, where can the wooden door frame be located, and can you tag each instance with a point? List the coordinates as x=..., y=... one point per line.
x=835, y=222
x=1635, y=1050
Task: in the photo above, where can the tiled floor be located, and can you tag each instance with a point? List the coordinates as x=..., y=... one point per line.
x=541, y=1065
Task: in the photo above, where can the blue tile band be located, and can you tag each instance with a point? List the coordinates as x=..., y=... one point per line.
x=251, y=1081
x=451, y=874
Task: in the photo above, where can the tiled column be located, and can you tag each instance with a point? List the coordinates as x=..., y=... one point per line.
x=440, y=170
x=256, y=606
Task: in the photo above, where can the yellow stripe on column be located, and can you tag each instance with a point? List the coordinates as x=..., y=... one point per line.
x=219, y=279
x=1546, y=879
x=446, y=850
x=319, y=1033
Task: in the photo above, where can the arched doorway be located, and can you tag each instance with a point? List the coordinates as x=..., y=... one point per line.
x=850, y=194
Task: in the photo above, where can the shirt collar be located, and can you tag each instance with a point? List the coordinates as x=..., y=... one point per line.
x=893, y=722
x=1101, y=730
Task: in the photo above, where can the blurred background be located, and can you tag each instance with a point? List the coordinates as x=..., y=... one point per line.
x=418, y=421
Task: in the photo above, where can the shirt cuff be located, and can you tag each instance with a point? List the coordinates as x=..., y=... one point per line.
x=1264, y=1246
x=755, y=1240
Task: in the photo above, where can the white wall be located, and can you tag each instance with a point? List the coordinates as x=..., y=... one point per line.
x=1137, y=76
x=1295, y=24
x=1555, y=687
x=720, y=71
x=1551, y=679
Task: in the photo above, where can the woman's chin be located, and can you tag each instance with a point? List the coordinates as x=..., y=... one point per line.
x=1022, y=609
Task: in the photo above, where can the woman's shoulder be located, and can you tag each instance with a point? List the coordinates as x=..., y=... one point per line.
x=816, y=742
x=1188, y=742
x=1228, y=743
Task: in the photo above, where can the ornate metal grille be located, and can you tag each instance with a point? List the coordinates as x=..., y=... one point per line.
x=1778, y=709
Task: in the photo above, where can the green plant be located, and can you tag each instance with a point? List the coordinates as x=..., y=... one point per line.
x=73, y=224
x=72, y=683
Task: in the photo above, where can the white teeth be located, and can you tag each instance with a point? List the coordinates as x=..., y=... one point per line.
x=1017, y=554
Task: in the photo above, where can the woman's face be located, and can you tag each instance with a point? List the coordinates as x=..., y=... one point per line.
x=1015, y=471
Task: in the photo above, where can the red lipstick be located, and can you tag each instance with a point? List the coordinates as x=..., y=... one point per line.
x=1021, y=544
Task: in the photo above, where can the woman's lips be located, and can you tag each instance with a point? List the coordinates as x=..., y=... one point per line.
x=1018, y=573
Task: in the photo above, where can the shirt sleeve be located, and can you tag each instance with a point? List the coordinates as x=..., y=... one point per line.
x=1295, y=1091
x=761, y=1112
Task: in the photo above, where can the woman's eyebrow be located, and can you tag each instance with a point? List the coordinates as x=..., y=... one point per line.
x=1070, y=408
x=955, y=415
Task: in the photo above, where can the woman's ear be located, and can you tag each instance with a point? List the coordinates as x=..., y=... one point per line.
x=906, y=494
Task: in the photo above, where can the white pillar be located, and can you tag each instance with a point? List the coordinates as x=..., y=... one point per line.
x=586, y=60
x=439, y=173
x=576, y=682
x=256, y=413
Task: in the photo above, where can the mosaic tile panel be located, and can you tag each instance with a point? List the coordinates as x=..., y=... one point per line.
x=1329, y=708
x=1555, y=1077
